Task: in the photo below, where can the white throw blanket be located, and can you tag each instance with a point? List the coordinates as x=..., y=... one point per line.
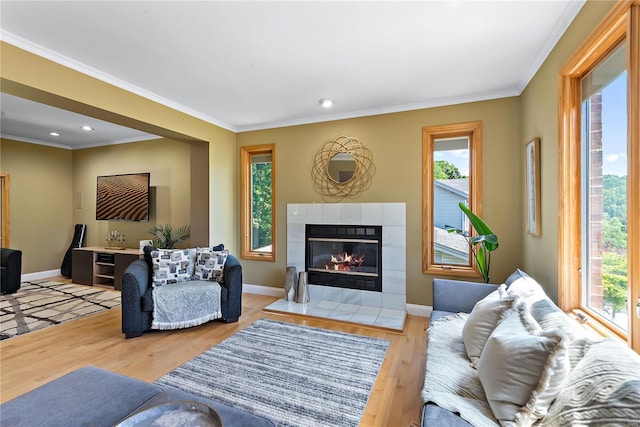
x=185, y=304
x=450, y=380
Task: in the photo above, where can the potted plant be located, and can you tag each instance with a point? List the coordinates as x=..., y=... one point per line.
x=482, y=244
x=165, y=237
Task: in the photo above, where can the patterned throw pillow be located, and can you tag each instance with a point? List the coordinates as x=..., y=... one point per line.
x=171, y=266
x=210, y=264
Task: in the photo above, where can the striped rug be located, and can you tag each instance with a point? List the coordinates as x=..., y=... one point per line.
x=43, y=303
x=293, y=375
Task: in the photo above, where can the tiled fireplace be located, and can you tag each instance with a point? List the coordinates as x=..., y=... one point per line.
x=372, y=233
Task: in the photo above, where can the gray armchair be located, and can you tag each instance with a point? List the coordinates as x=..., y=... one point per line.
x=11, y=266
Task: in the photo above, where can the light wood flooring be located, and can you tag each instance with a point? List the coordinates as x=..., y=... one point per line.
x=36, y=358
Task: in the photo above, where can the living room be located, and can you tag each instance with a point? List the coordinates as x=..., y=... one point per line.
x=43, y=215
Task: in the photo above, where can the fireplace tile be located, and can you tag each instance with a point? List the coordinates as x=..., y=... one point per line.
x=393, y=282
x=331, y=305
x=341, y=315
x=351, y=308
x=314, y=214
x=332, y=294
x=331, y=214
x=393, y=301
x=315, y=291
x=365, y=318
x=393, y=258
x=320, y=311
x=365, y=315
x=394, y=236
x=371, y=299
x=351, y=296
x=295, y=233
x=351, y=213
x=371, y=213
x=394, y=214
x=295, y=255
x=389, y=322
x=296, y=213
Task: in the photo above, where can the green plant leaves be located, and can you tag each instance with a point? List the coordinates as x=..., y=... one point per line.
x=485, y=242
x=166, y=237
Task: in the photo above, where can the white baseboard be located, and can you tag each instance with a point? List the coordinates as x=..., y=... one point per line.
x=39, y=275
x=414, y=309
x=262, y=290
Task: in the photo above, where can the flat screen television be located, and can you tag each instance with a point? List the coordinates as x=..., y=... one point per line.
x=123, y=197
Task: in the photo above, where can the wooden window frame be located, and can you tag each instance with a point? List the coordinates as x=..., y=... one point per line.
x=472, y=130
x=622, y=23
x=245, y=215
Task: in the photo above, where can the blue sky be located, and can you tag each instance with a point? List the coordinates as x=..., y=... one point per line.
x=614, y=126
x=460, y=158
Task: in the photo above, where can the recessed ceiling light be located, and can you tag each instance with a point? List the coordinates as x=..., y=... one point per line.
x=54, y=134
x=87, y=128
x=326, y=103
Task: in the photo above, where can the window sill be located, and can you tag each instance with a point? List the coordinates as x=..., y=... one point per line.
x=595, y=325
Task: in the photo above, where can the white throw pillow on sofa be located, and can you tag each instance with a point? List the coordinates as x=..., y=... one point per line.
x=522, y=369
x=482, y=320
x=521, y=284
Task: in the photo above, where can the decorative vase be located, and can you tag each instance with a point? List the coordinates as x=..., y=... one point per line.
x=302, y=296
x=290, y=283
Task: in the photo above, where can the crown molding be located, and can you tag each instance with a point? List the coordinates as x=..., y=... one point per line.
x=42, y=51
x=442, y=102
x=568, y=15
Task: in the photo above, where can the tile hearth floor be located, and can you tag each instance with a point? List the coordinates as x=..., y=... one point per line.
x=374, y=316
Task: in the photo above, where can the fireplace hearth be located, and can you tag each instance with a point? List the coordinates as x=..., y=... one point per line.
x=344, y=256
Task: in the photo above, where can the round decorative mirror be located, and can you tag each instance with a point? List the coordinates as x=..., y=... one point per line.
x=342, y=168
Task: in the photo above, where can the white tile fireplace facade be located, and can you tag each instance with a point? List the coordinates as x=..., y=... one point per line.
x=392, y=218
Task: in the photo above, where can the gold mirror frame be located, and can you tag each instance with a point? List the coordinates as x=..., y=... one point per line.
x=326, y=185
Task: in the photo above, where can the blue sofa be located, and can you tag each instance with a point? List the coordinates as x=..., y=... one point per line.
x=583, y=360
x=94, y=397
x=137, y=299
x=450, y=297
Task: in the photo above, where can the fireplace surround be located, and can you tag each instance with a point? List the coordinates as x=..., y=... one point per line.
x=391, y=217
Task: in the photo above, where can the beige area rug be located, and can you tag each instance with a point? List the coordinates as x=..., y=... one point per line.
x=40, y=304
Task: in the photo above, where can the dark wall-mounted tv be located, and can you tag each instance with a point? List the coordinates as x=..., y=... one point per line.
x=123, y=197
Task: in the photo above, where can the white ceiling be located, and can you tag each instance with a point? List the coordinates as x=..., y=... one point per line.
x=255, y=65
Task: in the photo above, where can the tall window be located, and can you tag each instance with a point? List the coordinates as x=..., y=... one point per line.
x=451, y=174
x=599, y=180
x=258, y=214
x=604, y=189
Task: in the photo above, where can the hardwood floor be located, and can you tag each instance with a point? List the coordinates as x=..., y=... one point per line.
x=36, y=358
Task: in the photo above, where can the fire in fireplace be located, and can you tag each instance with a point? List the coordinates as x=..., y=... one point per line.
x=345, y=256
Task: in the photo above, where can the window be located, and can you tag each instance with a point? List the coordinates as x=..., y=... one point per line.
x=451, y=174
x=258, y=201
x=599, y=180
